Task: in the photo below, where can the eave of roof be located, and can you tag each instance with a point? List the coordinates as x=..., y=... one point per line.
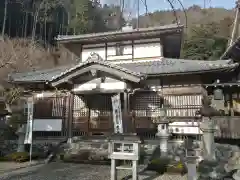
x=106, y=36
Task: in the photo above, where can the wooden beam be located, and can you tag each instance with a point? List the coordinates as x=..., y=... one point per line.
x=109, y=70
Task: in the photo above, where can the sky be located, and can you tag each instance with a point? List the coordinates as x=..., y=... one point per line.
x=154, y=5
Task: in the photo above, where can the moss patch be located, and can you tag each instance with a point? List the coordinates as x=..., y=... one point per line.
x=166, y=165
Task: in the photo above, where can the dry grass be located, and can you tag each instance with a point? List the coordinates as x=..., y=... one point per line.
x=20, y=55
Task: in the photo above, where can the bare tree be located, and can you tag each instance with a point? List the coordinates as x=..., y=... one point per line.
x=4, y=18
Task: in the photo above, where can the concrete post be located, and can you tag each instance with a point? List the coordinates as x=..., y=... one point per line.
x=134, y=170
x=113, y=170
x=208, y=128
x=163, y=134
x=192, y=168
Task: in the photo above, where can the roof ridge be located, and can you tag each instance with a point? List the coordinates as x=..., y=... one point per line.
x=137, y=61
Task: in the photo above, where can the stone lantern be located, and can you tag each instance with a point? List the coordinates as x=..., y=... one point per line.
x=208, y=128
x=21, y=136
x=163, y=132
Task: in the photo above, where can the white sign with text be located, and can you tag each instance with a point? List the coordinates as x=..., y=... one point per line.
x=117, y=114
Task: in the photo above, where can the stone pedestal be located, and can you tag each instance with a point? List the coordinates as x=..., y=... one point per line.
x=163, y=135
x=199, y=155
x=192, y=167
x=21, y=137
x=208, y=129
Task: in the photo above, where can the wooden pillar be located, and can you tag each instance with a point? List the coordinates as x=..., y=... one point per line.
x=125, y=101
x=126, y=115
x=231, y=102
x=70, y=116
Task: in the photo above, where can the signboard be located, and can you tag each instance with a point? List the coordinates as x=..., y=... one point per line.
x=47, y=125
x=29, y=129
x=123, y=148
x=117, y=114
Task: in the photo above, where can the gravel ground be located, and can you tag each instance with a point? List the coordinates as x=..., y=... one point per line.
x=65, y=171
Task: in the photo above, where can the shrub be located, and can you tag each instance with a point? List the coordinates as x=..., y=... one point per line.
x=176, y=167
x=3, y=159
x=159, y=165
x=21, y=156
x=17, y=155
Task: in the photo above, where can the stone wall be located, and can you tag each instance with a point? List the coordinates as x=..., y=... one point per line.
x=10, y=146
x=227, y=156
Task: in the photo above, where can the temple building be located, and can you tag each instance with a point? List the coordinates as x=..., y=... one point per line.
x=144, y=67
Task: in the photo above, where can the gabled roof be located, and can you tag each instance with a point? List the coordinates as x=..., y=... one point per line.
x=121, y=35
x=136, y=69
x=95, y=59
x=95, y=62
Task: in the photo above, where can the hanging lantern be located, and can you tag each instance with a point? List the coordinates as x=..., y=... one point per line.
x=218, y=94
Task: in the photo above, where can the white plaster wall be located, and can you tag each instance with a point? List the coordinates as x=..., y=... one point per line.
x=148, y=50
x=127, y=53
x=86, y=52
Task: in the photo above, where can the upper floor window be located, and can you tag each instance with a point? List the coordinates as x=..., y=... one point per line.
x=119, y=49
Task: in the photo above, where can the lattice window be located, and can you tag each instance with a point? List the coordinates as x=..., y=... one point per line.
x=150, y=104
x=58, y=105
x=102, y=105
x=182, y=105
x=80, y=108
x=146, y=103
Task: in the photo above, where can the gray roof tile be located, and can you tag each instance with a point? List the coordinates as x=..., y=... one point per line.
x=171, y=66
x=162, y=66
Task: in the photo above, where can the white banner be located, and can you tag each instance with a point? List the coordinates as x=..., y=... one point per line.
x=29, y=129
x=117, y=114
x=47, y=125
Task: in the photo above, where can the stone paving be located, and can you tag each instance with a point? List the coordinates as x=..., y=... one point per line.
x=65, y=171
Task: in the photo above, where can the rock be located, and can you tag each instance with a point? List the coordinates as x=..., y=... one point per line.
x=227, y=159
x=236, y=176
x=233, y=162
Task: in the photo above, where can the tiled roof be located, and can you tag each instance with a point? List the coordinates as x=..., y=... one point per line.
x=37, y=76
x=171, y=66
x=164, y=66
x=115, y=34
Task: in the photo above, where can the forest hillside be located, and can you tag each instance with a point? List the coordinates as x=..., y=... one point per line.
x=30, y=26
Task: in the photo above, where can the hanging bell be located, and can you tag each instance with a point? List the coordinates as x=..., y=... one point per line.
x=218, y=94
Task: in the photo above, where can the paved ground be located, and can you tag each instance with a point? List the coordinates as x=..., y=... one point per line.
x=64, y=171
x=10, y=166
